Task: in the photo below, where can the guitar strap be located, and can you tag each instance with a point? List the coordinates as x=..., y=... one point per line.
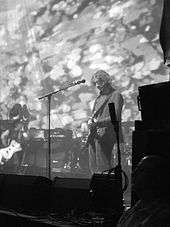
x=101, y=107
x=92, y=133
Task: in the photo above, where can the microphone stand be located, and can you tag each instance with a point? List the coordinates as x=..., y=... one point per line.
x=48, y=96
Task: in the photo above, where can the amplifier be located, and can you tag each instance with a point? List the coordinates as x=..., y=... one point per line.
x=153, y=101
x=106, y=193
x=60, y=152
x=148, y=142
x=152, y=125
x=58, y=133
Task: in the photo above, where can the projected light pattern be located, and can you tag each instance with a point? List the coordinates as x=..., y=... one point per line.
x=46, y=44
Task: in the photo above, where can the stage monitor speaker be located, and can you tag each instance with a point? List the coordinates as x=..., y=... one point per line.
x=106, y=193
x=71, y=194
x=148, y=142
x=28, y=194
x=153, y=101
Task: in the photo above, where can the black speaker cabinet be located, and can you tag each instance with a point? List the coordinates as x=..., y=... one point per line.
x=149, y=142
x=106, y=193
x=38, y=149
x=28, y=194
x=71, y=194
x=153, y=101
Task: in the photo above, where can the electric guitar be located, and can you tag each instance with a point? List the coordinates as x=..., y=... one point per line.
x=7, y=152
x=97, y=130
x=91, y=135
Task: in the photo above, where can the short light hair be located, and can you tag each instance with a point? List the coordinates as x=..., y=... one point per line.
x=100, y=75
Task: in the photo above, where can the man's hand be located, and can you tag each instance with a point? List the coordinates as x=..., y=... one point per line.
x=92, y=123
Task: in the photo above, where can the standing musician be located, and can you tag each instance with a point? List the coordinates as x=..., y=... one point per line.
x=102, y=137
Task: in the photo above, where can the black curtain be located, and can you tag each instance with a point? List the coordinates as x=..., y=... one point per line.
x=165, y=32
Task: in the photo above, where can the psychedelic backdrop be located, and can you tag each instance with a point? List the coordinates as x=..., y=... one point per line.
x=45, y=44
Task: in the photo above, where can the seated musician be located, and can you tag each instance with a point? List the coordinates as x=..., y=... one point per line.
x=19, y=117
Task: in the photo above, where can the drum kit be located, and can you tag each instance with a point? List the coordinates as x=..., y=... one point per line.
x=68, y=153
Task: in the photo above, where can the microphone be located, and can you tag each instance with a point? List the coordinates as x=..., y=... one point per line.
x=78, y=82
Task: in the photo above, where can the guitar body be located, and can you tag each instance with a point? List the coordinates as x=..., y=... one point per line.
x=90, y=137
x=7, y=152
x=95, y=133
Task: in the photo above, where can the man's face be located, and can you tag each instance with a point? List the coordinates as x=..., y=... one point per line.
x=99, y=83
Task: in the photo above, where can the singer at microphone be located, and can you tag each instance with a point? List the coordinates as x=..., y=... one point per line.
x=102, y=136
